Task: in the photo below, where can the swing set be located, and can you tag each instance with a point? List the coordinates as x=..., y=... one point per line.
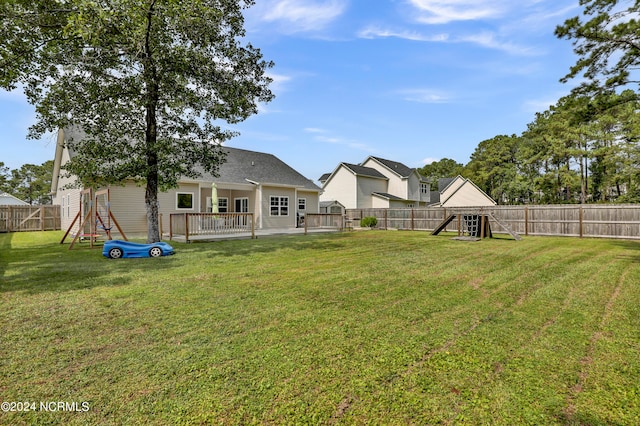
x=94, y=216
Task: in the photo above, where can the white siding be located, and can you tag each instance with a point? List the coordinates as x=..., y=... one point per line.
x=341, y=187
x=468, y=195
x=365, y=188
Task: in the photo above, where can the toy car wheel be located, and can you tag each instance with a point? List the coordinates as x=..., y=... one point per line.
x=155, y=252
x=115, y=253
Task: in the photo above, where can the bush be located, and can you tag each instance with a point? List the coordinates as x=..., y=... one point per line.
x=368, y=222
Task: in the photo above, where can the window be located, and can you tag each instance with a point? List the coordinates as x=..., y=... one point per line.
x=279, y=206
x=223, y=205
x=184, y=200
x=424, y=188
x=302, y=203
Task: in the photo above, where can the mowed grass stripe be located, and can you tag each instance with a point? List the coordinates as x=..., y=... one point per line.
x=363, y=327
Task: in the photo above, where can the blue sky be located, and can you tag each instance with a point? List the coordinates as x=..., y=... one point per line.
x=408, y=80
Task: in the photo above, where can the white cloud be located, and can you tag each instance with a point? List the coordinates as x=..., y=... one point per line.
x=445, y=11
x=320, y=135
x=302, y=15
x=279, y=81
x=424, y=96
x=489, y=40
x=376, y=32
x=430, y=160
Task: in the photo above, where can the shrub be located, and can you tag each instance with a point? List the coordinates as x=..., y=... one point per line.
x=368, y=222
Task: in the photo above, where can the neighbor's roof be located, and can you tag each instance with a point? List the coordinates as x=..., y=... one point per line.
x=389, y=197
x=330, y=203
x=364, y=171
x=395, y=167
x=324, y=177
x=9, y=200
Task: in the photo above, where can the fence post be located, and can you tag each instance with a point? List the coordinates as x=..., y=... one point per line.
x=186, y=227
x=526, y=221
x=386, y=225
x=413, y=226
x=581, y=215
x=42, y=218
x=253, y=227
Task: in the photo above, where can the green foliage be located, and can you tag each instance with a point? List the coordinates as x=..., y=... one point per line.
x=368, y=222
x=606, y=44
x=31, y=182
x=354, y=328
x=148, y=83
x=445, y=168
x=5, y=173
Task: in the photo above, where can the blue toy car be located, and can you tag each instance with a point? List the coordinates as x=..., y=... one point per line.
x=116, y=249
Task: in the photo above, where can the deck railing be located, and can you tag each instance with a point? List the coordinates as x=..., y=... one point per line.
x=203, y=224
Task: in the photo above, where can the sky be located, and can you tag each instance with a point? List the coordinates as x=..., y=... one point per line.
x=412, y=81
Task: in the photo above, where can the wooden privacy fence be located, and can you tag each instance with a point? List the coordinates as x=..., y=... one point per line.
x=29, y=218
x=586, y=220
x=323, y=221
x=209, y=224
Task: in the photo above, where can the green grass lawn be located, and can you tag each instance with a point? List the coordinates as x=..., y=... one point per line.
x=355, y=328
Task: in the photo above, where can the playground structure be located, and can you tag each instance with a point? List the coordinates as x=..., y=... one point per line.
x=474, y=224
x=95, y=217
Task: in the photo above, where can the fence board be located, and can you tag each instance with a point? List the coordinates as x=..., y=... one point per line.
x=29, y=218
x=598, y=221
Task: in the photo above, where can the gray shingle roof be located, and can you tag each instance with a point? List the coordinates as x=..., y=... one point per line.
x=242, y=166
x=364, y=171
x=389, y=196
x=396, y=167
x=444, y=182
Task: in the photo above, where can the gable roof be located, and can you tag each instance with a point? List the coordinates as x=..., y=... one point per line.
x=394, y=166
x=324, y=177
x=364, y=171
x=387, y=196
x=243, y=166
x=455, y=195
x=9, y=200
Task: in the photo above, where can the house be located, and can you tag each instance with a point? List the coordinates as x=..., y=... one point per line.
x=249, y=182
x=375, y=183
x=9, y=200
x=460, y=192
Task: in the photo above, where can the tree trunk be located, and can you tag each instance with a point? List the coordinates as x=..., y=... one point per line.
x=151, y=136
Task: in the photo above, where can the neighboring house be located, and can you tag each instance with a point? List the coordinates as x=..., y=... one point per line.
x=10, y=200
x=376, y=183
x=249, y=182
x=460, y=192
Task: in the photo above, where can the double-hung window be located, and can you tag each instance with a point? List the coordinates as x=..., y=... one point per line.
x=279, y=206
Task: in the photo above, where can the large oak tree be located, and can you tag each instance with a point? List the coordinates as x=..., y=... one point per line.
x=149, y=82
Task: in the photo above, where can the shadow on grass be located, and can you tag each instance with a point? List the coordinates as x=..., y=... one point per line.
x=631, y=250
x=270, y=244
x=53, y=267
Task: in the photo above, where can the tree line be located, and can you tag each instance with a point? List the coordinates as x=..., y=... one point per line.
x=581, y=150
x=30, y=183
x=585, y=147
